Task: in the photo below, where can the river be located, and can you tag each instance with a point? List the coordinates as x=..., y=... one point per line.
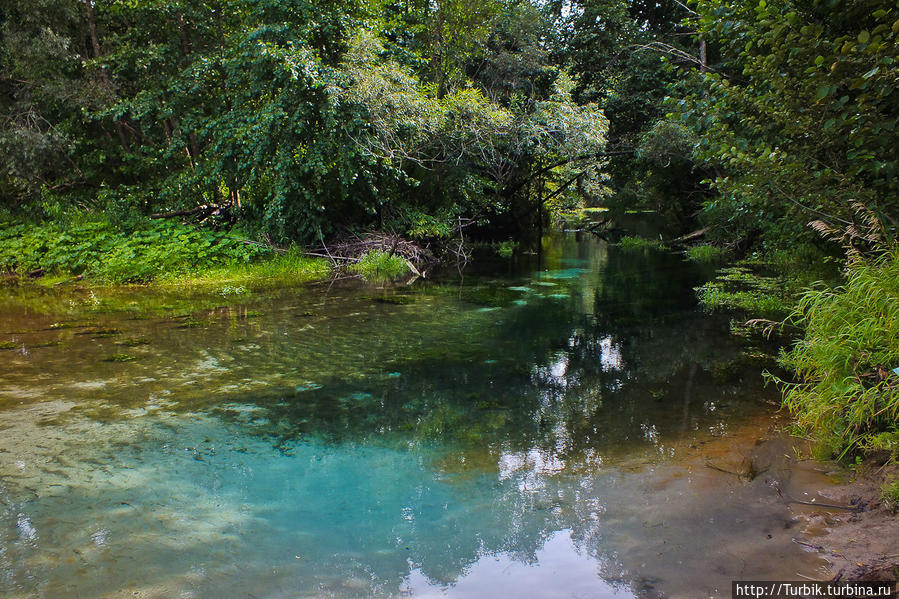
x=564, y=424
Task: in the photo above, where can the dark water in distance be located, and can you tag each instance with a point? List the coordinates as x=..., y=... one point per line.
x=522, y=431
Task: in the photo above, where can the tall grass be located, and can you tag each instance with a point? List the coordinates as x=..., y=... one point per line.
x=847, y=394
x=282, y=270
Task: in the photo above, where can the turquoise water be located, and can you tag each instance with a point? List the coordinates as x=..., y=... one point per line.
x=528, y=429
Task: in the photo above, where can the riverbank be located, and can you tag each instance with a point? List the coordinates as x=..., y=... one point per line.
x=838, y=513
x=862, y=545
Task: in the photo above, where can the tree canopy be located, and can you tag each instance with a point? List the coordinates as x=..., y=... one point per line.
x=298, y=116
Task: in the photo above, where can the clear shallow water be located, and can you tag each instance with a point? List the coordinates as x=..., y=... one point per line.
x=539, y=429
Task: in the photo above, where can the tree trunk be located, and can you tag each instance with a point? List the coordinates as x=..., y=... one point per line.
x=703, y=61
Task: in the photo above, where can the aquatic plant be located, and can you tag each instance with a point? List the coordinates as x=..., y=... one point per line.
x=506, y=248
x=280, y=270
x=741, y=288
x=631, y=244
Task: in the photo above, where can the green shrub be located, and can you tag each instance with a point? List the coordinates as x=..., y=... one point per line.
x=139, y=253
x=847, y=394
x=378, y=264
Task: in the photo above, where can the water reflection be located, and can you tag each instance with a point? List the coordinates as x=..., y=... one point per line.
x=453, y=438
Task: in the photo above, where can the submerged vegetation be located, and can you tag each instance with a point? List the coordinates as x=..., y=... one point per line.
x=741, y=288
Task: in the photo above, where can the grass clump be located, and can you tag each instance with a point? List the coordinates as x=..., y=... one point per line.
x=847, y=394
x=380, y=265
x=280, y=270
x=706, y=254
x=629, y=243
x=889, y=494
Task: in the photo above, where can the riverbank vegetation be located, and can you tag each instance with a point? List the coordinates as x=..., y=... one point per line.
x=171, y=141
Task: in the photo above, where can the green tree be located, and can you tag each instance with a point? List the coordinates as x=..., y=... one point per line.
x=798, y=116
x=624, y=55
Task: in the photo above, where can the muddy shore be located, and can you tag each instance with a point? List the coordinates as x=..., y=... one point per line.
x=843, y=517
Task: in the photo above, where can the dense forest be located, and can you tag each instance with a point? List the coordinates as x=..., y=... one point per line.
x=163, y=136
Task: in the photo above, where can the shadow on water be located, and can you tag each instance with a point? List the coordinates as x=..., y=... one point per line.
x=545, y=427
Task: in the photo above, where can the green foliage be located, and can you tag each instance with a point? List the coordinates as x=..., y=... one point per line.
x=378, y=265
x=847, y=394
x=630, y=243
x=797, y=115
x=272, y=271
x=505, y=249
x=143, y=252
x=624, y=55
x=889, y=494
x=706, y=253
x=294, y=119
x=740, y=288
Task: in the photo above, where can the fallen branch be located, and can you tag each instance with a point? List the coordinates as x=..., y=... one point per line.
x=332, y=257
x=693, y=235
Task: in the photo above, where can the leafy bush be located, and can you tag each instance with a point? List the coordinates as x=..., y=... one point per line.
x=848, y=393
x=142, y=252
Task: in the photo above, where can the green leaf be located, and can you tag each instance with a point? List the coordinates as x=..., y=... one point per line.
x=871, y=73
